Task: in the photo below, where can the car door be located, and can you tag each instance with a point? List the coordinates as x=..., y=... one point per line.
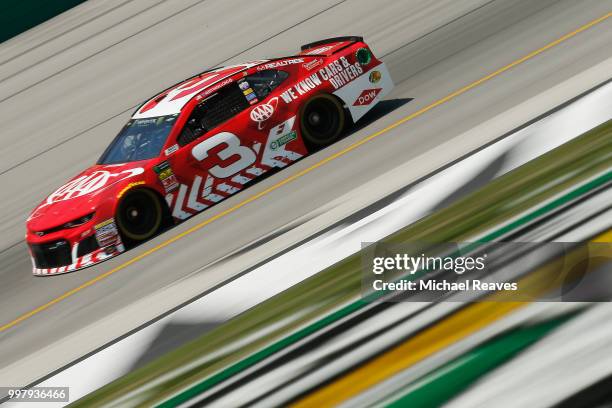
x=223, y=142
x=274, y=119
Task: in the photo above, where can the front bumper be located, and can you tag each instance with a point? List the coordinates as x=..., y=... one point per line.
x=92, y=258
x=67, y=251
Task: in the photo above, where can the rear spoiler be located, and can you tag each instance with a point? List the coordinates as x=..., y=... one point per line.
x=330, y=45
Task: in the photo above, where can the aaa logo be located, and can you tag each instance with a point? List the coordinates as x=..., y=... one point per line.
x=263, y=112
x=88, y=184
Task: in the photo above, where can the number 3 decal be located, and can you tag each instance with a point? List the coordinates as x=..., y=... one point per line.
x=233, y=147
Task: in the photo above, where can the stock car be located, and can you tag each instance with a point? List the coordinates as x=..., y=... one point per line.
x=200, y=141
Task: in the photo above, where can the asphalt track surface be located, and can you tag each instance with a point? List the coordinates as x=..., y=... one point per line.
x=67, y=87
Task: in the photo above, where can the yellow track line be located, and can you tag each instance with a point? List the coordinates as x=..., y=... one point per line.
x=305, y=171
x=450, y=330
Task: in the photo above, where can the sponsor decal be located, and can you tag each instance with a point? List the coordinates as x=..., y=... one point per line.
x=320, y=50
x=260, y=114
x=283, y=140
x=375, y=77
x=275, y=153
x=366, y=97
x=338, y=73
x=145, y=122
x=166, y=176
x=106, y=232
x=88, y=184
x=277, y=64
x=171, y=150
x=216, y=87
x=301, y=88
x=126, y=188
x=364, y=56
x=251, y=97
x=313, y=64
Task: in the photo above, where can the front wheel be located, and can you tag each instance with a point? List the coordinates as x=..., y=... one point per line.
x=322, y=120
x=139, y=216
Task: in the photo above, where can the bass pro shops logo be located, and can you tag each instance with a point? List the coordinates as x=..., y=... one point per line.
x=366, y=97
x=263, y=112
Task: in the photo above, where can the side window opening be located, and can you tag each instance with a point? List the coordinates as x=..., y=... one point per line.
x=213, y=111
x=264, y=82
x=228, y=102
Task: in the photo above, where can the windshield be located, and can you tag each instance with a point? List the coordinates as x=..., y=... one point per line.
x=140, y=139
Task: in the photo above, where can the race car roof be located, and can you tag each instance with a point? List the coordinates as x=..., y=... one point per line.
x=173, y=100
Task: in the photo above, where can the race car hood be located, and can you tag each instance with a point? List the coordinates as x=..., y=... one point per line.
x=81, y=195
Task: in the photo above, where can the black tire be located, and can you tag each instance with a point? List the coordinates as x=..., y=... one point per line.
x=139, y=216
x=322, y=120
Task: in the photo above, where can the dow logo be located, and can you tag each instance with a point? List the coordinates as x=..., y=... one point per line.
x=366, y=96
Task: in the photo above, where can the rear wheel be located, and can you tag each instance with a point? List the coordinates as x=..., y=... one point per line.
x=322, y=121
x=139, y=216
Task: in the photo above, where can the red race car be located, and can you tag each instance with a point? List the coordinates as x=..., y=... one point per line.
x=200, y=141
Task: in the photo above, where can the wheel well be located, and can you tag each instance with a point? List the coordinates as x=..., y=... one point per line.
x=167, y=215
x=167, y=220
x=347, y=112
x=336, y=97
x=312, y=145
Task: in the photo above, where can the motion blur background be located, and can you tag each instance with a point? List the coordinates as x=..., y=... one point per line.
x=498, y=130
